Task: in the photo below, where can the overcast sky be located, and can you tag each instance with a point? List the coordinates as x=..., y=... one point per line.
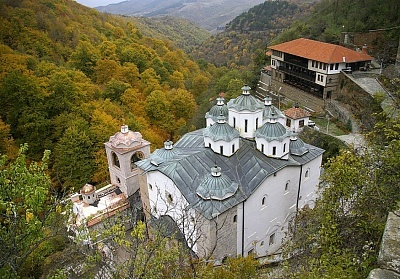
x=97, y=3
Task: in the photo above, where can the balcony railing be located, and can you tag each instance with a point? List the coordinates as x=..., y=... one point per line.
x=296, y=73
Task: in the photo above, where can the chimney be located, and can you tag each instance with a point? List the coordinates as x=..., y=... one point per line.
x=364, y=49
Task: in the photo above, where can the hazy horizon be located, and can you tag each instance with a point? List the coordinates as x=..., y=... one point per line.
x=97, y=3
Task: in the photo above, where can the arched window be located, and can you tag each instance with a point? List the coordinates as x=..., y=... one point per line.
x=137, y=156
x=264, y=201
x=115, y=160
x=235, y=219
x=307, y=174
x=287, y=186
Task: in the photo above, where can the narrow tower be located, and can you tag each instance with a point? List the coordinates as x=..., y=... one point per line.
x=123, y=150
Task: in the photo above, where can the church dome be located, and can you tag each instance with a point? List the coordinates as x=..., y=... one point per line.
x=270, y=110
x=221, y=131
x=245, y=101
x=216, y=186
x=272, y=130
x=297, y=146
x=88, y=189
x=217, y=109
x=125, y=138
x=167, y=152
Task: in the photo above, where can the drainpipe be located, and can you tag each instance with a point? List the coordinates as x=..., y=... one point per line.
x=243, y=229
x=298, y=191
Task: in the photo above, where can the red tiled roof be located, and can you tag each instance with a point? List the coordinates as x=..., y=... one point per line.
x=296, y=113
x=319, y=51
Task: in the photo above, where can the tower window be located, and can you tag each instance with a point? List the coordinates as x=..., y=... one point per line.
x=262, y=148
x=234, y=122
x=221, y=150
x=257, y=123
x=235, y=219
x=169, y=197
x=274, y=150
x=115, y=160
x=137, y=156
x=284, y=148
x=233, y=148
x=245, y=125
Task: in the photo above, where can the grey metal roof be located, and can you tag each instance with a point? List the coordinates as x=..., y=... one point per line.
x=248, y=168
x=221, y=131
x=245, y=102
x=216, y=186
x=216, y=111
x=272, y=131
x=270, y=110
x=297, y=147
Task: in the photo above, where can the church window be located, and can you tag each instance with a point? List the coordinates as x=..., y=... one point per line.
x=235, y=219
x=257, y=123
x=262, y=148
x=274, y=150
x=233, y=148
x=209, y=145
x=264, y=201
x=221, y=150
x=150, y=186
x=245, y=125
x=118, y=180
x=307, y=174
x=234, y=122
x=284, y=147
x=287, y=186
x=137, y=156
x=115, y=160
x=262, y=243
x=272, y=239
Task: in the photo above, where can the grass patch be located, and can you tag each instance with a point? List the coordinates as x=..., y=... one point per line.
x=333, y=129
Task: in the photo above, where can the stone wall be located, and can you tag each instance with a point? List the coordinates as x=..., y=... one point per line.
x=389, y=254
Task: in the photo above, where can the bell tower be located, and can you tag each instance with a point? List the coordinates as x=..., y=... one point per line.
x=123, y=150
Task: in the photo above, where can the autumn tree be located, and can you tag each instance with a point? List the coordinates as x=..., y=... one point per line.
x=30, y=219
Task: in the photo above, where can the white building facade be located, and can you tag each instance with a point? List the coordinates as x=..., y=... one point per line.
x=232, y=187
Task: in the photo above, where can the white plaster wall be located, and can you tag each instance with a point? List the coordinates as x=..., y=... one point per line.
x=240, y=121
x=263, y=220
x=268, y=147
x=160, y=204
x=227, y=146
x=309, y=185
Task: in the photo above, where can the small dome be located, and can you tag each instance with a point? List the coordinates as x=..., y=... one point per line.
x=272, y=131
x=88, y=189
x=216, y=110
x=245, y=101
x=126, y=138
x=297, y=146
x=165, y=153
x=221, y=131
x=216, y=186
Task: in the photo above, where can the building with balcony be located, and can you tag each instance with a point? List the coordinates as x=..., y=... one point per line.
x=314, y=66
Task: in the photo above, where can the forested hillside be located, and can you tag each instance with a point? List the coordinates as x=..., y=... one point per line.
x=244, y=41
x=70, y=77
x=185, y=34
x=331, y=17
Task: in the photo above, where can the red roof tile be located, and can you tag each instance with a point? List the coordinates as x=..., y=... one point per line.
x=296, y=113
x=319, y=51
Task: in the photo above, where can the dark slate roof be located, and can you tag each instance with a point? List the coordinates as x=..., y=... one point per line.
x=217, y=109
x=245, y=102
x=248, y=167
x=297, y=147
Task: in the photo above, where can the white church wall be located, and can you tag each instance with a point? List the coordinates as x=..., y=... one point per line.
x=267, y=211
x=238, y=121
x=310, y=181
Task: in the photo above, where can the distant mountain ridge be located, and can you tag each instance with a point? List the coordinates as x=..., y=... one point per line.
x=208, y=14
